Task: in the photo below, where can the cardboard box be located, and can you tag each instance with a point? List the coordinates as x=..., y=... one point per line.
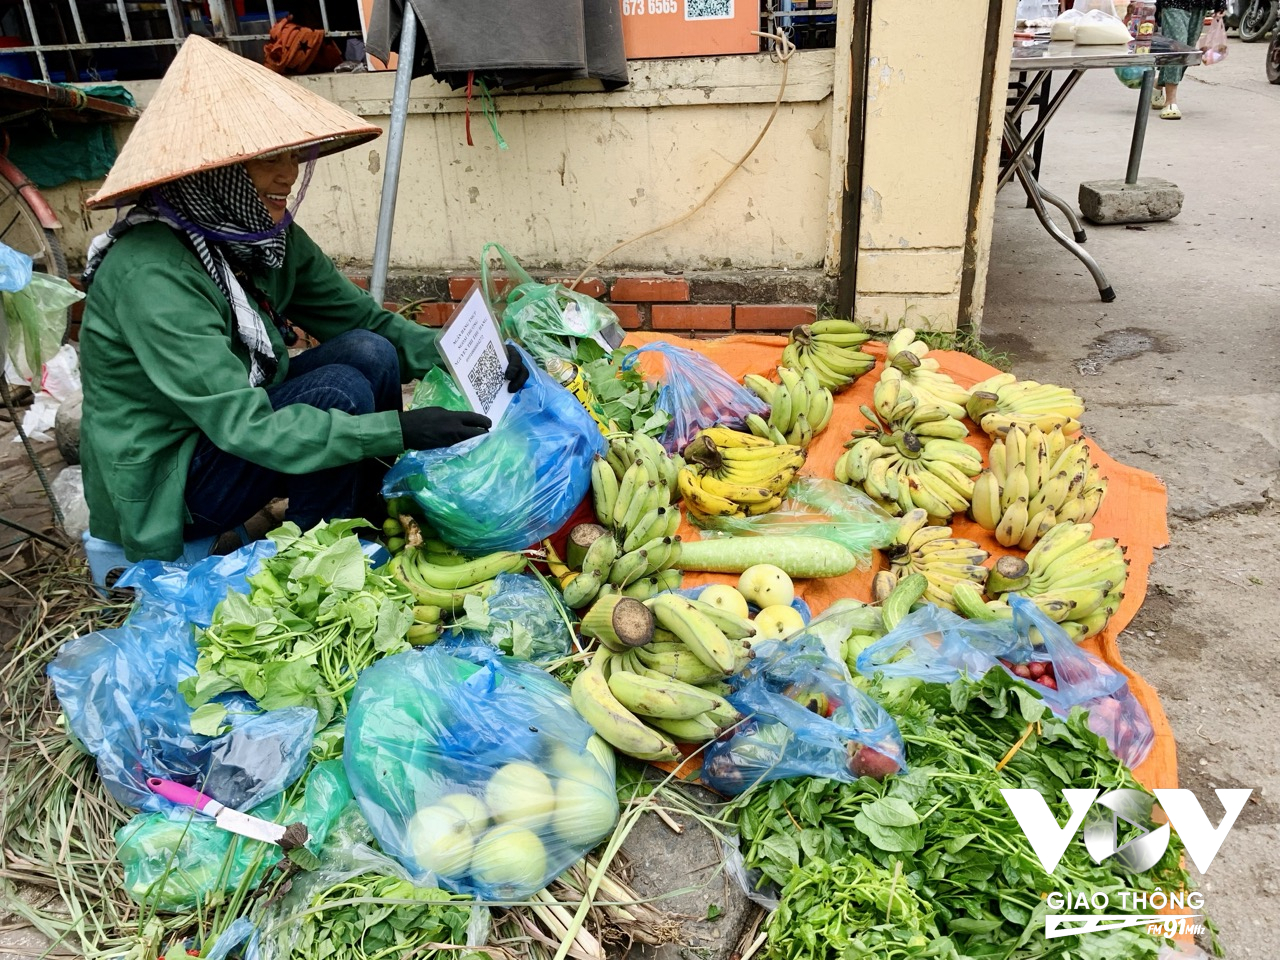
x=689, y=28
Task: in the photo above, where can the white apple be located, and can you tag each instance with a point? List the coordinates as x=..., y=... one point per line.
x=766, y=585
x=726, y=598
x=777, y=622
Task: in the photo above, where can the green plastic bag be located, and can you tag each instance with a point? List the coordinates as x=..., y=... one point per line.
x=815, y=508
x=547, y=318
x=178, y=859
x=438, y=389
x=36, y=317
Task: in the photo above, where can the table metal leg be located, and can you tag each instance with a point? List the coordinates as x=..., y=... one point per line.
x=1037, y=203
x=1021, y=146
x=1077, y=227
x=1140, y=126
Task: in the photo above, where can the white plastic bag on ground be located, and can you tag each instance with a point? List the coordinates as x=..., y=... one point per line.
x=59, y=381
x=68, y=490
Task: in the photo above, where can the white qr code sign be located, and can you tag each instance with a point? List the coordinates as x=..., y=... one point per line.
x=708, y=9
x=471, y=346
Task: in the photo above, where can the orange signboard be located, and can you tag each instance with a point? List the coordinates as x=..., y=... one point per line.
x=689, y=28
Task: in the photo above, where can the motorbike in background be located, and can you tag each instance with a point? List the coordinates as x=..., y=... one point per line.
x=1273, y=58
x=1254, y=18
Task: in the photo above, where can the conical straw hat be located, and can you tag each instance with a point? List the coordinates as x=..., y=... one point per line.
x=214, y=108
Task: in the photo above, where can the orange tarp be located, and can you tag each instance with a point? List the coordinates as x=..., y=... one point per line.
x=1133, y=511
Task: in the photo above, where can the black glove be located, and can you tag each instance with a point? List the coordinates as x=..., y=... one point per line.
x=517, y=373
x=429, y=427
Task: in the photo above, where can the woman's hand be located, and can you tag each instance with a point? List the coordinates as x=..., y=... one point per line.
x=430, y=427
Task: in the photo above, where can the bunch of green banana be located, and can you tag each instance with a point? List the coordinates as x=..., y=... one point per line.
x=830, y=348
x=441, y=579
x=1078, y=582
x=903, y=472
x=799, y=406
x=1004, y=401
x=1035, y=480
x=608, y=567
x=645, y=699
x=943, y=559
x=729, y=473
x=896, y=405
x=908, y=356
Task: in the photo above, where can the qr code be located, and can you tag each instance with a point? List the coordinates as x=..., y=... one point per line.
x=708, y=9
x=486, y=376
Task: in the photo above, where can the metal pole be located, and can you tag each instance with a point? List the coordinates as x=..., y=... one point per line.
x=1140, y=126
x=124, y=20
x=75, y=16
x=271, y=11
x=324, y=16
x=175, y=22
x=395, y=147
x=35, y=38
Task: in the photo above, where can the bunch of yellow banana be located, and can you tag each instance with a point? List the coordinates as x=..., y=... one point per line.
x=1004, y=401
x=909, y=356
x=903, y=472
x=729, y=473
x=645, y=699
x=1078, y=582
x=830, y=348
x=899, y=406
x=1035, y=480
x=799, y=406
x=440, y=579
x=943, y=560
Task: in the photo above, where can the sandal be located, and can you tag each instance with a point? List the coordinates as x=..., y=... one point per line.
x=1157, y=99
x=1171, y=112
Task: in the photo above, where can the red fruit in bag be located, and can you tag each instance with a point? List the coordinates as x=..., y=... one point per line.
x=1022, y=670
x=1049, y=682
x=869, y=762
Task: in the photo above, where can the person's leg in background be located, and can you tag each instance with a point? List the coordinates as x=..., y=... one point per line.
x=357, y=373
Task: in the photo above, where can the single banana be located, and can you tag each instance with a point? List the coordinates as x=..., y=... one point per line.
x=985, y=505
x=731, y=625
x=680, y=664
x=696, y=730
x=758, y=425
x=628, y=488
x=762, y=387
x=910, y=523
x=601, y=554
x=604, y=488
x=780, y=411
x=629, y=568
x=582, y=589
x=469, y=573
x=1013, y=524
x=667, y=697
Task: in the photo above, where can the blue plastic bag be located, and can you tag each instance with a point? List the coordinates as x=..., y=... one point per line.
x=15, y=269
x=476, y=776
x=516, y=484
x=697, y=393
x=805, y=719
x=518, y=618
x=119, y=691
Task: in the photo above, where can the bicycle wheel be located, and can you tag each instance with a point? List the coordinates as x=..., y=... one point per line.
x=21, y=230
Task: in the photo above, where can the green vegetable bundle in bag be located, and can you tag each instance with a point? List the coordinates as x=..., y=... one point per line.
x=547, y=318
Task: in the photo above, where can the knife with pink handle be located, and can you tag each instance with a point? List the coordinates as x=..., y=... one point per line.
x=287, y=837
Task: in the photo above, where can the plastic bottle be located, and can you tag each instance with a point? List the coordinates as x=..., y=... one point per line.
x=570, y=377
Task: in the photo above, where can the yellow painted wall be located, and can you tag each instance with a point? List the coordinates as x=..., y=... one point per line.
x=925, y=78
x=584, y=170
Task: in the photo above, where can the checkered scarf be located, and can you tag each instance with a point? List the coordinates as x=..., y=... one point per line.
x=229, y=228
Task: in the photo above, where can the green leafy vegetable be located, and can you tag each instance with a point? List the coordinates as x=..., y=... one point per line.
x=971, y=887
x=315, y=616
x=625, y=396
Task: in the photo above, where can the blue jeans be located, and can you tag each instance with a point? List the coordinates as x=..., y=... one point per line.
x=356, y=372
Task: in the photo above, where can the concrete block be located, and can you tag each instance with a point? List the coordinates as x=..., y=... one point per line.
x=1114, y=201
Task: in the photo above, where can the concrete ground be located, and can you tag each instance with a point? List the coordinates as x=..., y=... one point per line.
x=1179, y=375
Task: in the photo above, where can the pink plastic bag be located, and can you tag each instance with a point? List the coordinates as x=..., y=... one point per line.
x=1213, y=42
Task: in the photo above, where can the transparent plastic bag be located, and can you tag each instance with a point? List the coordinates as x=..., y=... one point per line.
x=438, y=389
x=514, y=485
x=1131, y=77
x=518, y=618
x=1123, y=722
x=697, y=394
x=805, y=719
x=191, y=593
x=1213, y=42
x=547, y=318
x=176, y=859
x=815, y=507
x=15, y=269
x=119, y=691
x=36, y=317
x=1101, y=27
x=68, y=490
x=476, y=776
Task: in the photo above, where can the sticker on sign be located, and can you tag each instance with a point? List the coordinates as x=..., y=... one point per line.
x=708, y=9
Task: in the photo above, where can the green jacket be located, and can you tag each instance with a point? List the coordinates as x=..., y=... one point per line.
x=160, y=367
